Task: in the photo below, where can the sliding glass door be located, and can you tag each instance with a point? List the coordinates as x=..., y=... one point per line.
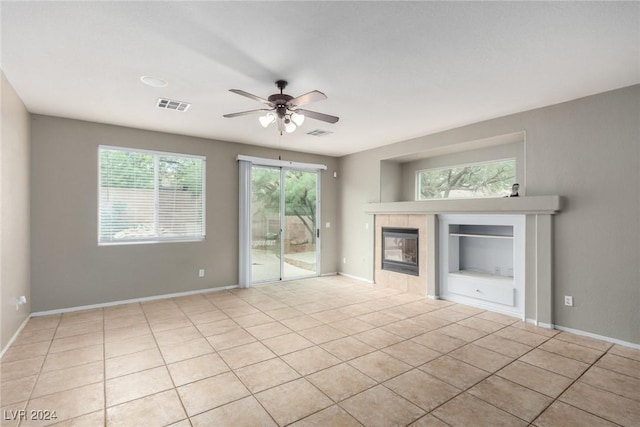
x=284, y=223
x=300, y=202
x=265, y=224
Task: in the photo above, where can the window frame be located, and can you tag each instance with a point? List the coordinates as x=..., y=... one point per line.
x=157, y=154
x=440, y=168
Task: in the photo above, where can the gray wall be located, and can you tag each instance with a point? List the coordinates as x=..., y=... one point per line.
x=69, y=268
x=14, y=212
x=588, y=151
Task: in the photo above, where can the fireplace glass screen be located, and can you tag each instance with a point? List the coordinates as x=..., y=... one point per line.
x=400, y=250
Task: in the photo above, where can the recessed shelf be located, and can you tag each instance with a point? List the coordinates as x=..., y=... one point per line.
x=489, y=236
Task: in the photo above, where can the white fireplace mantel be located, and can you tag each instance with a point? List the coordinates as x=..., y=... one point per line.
x=507, y=205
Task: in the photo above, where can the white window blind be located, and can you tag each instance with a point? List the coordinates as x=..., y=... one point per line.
x=148, y=196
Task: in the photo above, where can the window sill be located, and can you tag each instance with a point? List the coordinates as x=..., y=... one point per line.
x=150, y=242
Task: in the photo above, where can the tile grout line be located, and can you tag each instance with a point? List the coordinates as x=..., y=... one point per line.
x=376, y=383
x=304, y=377
x=494, y=373
x=41, y=366
x=447, y=353
x=279, y=357
x=175, y=388
x=463, y=391
x=318, y=345
x=231, y=370
x=375, y=349
x=572, y=383
x=53, y=370
x=553, y=399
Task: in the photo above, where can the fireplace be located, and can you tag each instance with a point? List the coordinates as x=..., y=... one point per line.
x=400, y=250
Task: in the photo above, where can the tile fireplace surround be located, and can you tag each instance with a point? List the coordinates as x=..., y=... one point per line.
x=402, y=281
x=423, y=215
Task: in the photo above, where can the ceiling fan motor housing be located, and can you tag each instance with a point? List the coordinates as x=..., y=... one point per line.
x=280, y=101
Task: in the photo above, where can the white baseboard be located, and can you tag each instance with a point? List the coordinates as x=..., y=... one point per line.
x=583, y=333
x=335, y=273
x=598, y=337
x=13, y=338
x=131, y=301
x=540, y=324
x=351, y=276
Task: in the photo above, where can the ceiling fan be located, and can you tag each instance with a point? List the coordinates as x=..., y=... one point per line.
x=283, y=109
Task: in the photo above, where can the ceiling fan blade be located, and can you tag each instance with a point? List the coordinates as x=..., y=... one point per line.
x=318, y=116
x=252, y=96
x=245, y=113
x=307, y=98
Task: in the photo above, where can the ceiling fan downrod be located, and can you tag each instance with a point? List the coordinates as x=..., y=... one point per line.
x=281, y=84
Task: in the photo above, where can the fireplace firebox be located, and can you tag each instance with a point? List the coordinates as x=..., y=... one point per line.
x=400, y=250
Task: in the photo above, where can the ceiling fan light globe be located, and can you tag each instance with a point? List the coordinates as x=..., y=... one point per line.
x=289, y=127
x=297, y=118
x=267, y=119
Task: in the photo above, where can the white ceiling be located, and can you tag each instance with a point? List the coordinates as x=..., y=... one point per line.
x=391, y=70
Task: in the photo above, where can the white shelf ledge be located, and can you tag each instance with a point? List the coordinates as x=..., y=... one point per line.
x=506, y=205
x=488, y=236
x=482, y=275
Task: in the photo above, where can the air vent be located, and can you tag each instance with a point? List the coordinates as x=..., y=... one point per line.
x=319, y=132
x=169, y=104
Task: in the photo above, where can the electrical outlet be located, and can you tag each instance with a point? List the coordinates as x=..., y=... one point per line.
x=201, y=272
x=568, y=301
x=328, y=225
x=497, y=271
x=344, y=260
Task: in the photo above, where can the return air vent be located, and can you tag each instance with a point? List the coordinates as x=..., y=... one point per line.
x=319, y=132
x=169, y=104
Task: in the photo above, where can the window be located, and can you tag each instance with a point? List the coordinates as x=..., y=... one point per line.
x=488, y=179
x=147, y=196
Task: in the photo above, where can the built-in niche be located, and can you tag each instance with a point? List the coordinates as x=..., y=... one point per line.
x=398, y=174
x=482, y=261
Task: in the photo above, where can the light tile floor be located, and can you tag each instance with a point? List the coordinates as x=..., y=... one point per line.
x=325, y=351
